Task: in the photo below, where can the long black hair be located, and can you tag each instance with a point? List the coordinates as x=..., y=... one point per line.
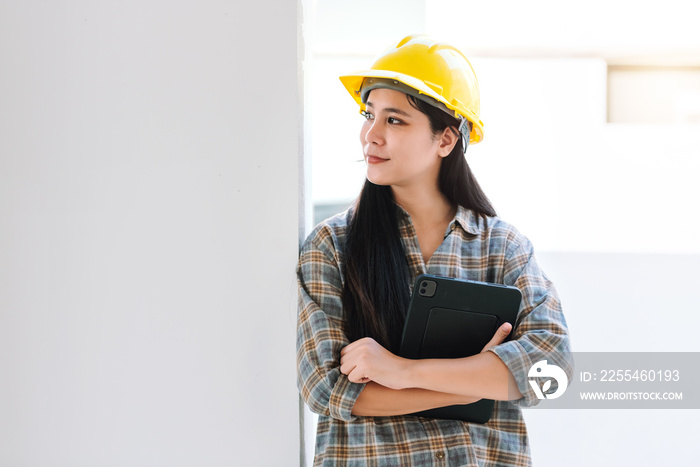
x=376, y=290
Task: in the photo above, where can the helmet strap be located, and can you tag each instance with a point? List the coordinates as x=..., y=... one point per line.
x=464, y=130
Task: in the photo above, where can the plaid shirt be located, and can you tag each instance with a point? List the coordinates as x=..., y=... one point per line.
x=494, y=252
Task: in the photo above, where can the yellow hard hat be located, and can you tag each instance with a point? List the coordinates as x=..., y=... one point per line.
x=420, y=66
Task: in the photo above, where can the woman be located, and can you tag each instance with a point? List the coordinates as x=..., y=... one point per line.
x=420, y=211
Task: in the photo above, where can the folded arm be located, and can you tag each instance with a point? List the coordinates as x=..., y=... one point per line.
x=399, y=385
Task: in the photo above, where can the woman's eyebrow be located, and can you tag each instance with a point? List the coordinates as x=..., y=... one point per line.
x=390, y=109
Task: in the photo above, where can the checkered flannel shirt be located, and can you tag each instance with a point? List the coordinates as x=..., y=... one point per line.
x=491, y=251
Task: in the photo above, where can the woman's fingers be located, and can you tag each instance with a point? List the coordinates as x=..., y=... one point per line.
x=500, y=335
x=346, y=366
x=355, y=377
x=349, y=355
x=349, y=368
x=354, y=345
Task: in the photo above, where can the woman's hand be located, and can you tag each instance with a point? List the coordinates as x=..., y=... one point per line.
x=500, y=335
x=366, y=360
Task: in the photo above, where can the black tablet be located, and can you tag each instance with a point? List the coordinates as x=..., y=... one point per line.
x=453, y=318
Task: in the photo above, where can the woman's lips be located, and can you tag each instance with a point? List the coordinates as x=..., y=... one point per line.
x=375, y=160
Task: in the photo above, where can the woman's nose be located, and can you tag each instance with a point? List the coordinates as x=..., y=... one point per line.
x=374, y=133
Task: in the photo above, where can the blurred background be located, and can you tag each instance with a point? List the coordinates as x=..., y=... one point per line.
x=591, y=116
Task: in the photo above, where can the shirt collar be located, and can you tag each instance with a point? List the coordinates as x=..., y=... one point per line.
x=467, y=220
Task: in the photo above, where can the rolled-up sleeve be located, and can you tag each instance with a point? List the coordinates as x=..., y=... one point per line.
x=540, y=331
x=320, y=335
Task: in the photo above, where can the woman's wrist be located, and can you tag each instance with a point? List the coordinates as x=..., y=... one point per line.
x=410, y=370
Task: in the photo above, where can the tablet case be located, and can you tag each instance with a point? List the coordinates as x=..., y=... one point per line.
x=453, y=318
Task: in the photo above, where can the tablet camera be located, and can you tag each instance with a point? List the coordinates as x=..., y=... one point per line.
x=427, y=288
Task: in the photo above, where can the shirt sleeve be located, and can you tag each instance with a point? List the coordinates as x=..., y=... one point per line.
x=540, y=330
x=320, y=336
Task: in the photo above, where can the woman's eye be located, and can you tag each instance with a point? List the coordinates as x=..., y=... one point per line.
x=394, y=121
x=367, y=115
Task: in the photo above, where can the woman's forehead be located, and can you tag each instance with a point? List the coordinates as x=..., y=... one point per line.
x=383, y=99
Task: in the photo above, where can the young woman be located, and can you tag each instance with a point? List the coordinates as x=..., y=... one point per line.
x=420, y=211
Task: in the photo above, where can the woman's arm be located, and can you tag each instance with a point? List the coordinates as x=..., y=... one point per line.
x=319, y=329
x=401, y=386
x=483, y=376
x=376, y=400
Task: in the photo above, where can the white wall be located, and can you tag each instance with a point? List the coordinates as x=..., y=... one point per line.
x=148, y=233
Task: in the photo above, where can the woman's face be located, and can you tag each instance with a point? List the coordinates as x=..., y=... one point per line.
x=399, y=146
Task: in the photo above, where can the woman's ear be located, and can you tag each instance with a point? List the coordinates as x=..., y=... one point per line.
x=447, y=141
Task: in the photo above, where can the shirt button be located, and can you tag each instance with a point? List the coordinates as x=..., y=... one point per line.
x=453, y=226
x=440, y=455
